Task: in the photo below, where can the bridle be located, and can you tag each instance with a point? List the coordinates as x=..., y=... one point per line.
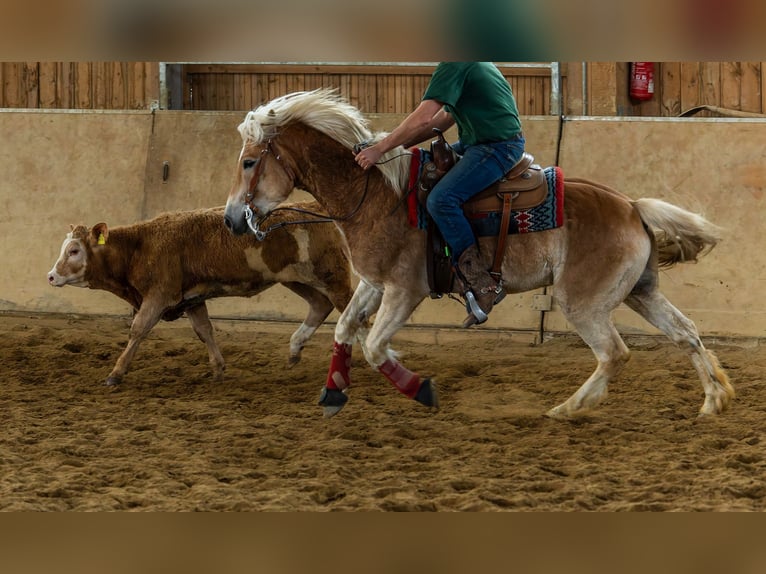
x=255, y=223
x=249, y=208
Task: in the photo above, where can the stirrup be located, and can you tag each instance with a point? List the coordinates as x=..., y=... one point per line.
x=472, y=306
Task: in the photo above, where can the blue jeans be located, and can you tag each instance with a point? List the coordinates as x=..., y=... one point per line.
x=481, y=166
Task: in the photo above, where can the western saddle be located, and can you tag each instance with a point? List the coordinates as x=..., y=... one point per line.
x=523, y=187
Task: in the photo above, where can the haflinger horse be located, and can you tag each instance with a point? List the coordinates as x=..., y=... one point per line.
x=608, y=250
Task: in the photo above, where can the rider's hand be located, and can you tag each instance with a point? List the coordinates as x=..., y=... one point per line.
x=368, y=157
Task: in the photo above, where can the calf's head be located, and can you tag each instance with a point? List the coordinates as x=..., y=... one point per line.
x=72, y=264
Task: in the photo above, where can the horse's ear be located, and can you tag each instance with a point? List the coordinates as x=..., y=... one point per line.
x=71, y=227
x=99, y=234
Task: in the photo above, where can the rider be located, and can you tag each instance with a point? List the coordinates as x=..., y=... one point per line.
x=477, y=97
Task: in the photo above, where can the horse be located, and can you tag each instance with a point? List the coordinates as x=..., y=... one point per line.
x=608, y=251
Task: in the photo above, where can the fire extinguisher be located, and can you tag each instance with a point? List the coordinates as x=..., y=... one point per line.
x=641, y=80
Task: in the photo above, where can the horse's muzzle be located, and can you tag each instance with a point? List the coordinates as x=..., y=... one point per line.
x=234, y=220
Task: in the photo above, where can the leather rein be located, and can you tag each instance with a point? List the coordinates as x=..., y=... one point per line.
x=255, y=223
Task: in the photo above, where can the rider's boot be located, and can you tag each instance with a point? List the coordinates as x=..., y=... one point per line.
x=481, y=291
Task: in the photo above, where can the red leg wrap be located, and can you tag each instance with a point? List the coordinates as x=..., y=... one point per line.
x=339, y=377
x=405, y=381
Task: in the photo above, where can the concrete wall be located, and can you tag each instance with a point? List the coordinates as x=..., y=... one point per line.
x=716, y=167
x=64, y=167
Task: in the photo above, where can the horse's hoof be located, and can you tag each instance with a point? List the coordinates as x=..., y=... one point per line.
x=112, y=381
x=427, y=394
x=557, y=413
x=293, y=360
x=332, y=401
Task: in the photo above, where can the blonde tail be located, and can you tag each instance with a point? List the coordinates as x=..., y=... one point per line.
x=682, y=236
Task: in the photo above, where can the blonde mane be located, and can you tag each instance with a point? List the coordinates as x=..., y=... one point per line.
x=324, y=110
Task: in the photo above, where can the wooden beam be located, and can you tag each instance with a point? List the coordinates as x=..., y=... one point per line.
x=602, y=88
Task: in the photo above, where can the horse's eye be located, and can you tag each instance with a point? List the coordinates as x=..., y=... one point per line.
x=248, y=163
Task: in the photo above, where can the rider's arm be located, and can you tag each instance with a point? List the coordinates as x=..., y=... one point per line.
x=415, y=128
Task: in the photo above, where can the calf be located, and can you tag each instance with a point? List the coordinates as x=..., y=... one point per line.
x=172, y=264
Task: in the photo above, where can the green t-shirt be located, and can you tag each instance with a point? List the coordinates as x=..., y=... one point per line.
x=479, y=98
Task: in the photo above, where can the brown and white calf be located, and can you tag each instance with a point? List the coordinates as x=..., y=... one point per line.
x=172, y=264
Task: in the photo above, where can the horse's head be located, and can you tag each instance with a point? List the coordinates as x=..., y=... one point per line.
x=263, y=181
x=276, y=138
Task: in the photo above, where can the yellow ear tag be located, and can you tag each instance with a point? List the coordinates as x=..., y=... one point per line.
x=101, y=239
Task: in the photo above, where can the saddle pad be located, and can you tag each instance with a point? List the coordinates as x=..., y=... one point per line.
x=547, y=215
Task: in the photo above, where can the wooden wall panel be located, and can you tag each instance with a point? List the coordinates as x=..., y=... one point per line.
x=390, y=89
x=679, y=86
x=79, y=85
x=373, y=89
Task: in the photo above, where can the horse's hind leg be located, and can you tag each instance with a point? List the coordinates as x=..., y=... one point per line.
x=647, y=301
x=600, y=335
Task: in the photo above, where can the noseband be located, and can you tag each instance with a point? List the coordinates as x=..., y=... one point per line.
x=249, y=210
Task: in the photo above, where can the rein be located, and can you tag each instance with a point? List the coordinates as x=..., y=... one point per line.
x=260, y=234
x=255, y=223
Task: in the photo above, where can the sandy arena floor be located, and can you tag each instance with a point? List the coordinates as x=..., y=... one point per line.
x=170, y=438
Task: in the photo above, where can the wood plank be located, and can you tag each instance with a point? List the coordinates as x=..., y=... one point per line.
x=690, y=85
x=117, y=96
x=99, y=76
x=65, y=89
x=223, y=97
x=30, y=84
x=602, y=88
x=711, y=83
x=136, y=86
x=239, y=90
x=299, y=83
x=344, y=86
x=750, y=100
x=731, y=85
x=258, y=92
x=397, y=70
x=153, y=82
x=763, y=87
x=50, y=94
x=624, y=105
x=11, y=91
x=83, y=85
x=382, y=92
x=670, y=89
x=572, y=101
x=544, y=91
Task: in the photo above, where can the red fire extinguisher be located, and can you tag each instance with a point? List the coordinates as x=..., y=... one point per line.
x=641, y=80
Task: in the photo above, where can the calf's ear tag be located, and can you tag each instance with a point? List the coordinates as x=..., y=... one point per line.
x=101, y=239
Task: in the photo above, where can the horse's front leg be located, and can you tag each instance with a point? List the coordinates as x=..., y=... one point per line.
x=352, y=325
x=396, y=307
